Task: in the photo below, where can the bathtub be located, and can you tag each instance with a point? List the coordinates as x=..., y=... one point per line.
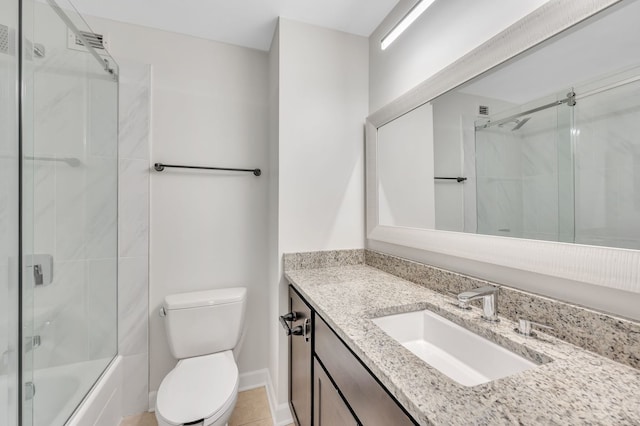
x=68, y=395
x=60, y=390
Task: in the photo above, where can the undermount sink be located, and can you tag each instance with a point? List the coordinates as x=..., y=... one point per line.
x=453, y=350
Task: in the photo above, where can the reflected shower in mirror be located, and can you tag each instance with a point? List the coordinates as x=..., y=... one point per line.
x=543, y=147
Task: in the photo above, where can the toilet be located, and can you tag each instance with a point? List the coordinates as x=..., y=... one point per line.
x=203, y=328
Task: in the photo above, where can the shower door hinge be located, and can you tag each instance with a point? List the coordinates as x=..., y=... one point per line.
x=571, y=99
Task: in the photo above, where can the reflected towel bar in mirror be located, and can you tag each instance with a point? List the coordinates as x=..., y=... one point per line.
x=457, y=179
x=161, y=166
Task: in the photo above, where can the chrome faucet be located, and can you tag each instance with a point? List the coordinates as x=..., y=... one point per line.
x=489, y=296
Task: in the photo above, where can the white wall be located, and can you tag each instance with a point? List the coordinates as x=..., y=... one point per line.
x=323, y=85
x=322, y=98
x=445, y=32
x=208, y=229
x=277, y=297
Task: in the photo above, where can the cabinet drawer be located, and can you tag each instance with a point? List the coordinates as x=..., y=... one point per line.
x=328, y=407
x=368, y=399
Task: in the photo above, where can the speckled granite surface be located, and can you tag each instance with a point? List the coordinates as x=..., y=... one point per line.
x=323, y=259
x=615, y=338
x=571, y=387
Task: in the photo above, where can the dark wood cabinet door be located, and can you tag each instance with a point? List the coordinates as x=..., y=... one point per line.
x=329, y=409
x=368, y=399
x=300, y=361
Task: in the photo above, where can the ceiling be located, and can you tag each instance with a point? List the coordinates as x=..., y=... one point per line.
x=247, y=23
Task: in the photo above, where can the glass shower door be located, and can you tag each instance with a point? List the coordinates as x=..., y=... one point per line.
x=607, y=159
x=9, y=214
x=70, y=197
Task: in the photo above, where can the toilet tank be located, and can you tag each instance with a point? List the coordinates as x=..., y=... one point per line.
x=204, y=322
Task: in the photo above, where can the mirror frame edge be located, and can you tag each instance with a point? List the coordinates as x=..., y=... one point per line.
x=545, y=258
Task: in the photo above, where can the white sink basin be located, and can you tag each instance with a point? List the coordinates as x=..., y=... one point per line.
x=453, y=350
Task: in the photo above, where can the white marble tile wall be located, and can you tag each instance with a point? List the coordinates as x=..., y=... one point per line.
x=74, y=207
x=74, y=202
x=133, y=211
x=540, y=173
x=607, y=164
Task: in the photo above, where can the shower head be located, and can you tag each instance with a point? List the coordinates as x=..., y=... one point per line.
x=520, y=123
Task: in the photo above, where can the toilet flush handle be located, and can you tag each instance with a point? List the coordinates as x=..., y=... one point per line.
x=162, y=312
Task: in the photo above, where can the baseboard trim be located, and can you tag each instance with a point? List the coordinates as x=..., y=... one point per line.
x=152, y=401
x=253, y=379
x=281, y=415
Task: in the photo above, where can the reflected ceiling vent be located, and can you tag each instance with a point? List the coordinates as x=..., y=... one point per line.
x=95, y=40
x=5, y=40
x=483, y=110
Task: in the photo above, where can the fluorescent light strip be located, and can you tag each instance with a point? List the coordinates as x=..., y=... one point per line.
x=404, y=23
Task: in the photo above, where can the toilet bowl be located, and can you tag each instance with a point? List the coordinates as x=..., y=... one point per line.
x=203, y=328
x=201, y=388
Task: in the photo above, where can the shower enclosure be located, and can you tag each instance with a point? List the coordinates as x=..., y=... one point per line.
x=564, y=169
x=58, y=211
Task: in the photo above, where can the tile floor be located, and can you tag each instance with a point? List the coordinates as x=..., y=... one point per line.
x=252, y=409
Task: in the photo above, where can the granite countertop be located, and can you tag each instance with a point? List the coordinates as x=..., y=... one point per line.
x=570, y=386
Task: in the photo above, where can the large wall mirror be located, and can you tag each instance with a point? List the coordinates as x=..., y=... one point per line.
x=544, y=147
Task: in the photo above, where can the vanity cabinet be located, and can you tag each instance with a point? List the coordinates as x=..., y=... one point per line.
x=368, y=399
x=329, y=385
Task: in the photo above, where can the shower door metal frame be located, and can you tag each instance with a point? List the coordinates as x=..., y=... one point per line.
x=20, y=98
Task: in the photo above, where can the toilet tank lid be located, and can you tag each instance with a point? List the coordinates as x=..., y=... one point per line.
x=197, y=299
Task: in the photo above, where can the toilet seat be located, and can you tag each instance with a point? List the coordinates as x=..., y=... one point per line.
x=203, y=387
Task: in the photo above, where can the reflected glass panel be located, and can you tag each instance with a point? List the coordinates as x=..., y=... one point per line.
x=607, y=149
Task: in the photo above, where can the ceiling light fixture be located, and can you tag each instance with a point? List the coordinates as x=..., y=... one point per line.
x=404, y=23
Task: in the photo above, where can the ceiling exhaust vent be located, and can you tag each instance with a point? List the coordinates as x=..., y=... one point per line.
x=95, y=40
x=7, y=40
x=483, y=110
